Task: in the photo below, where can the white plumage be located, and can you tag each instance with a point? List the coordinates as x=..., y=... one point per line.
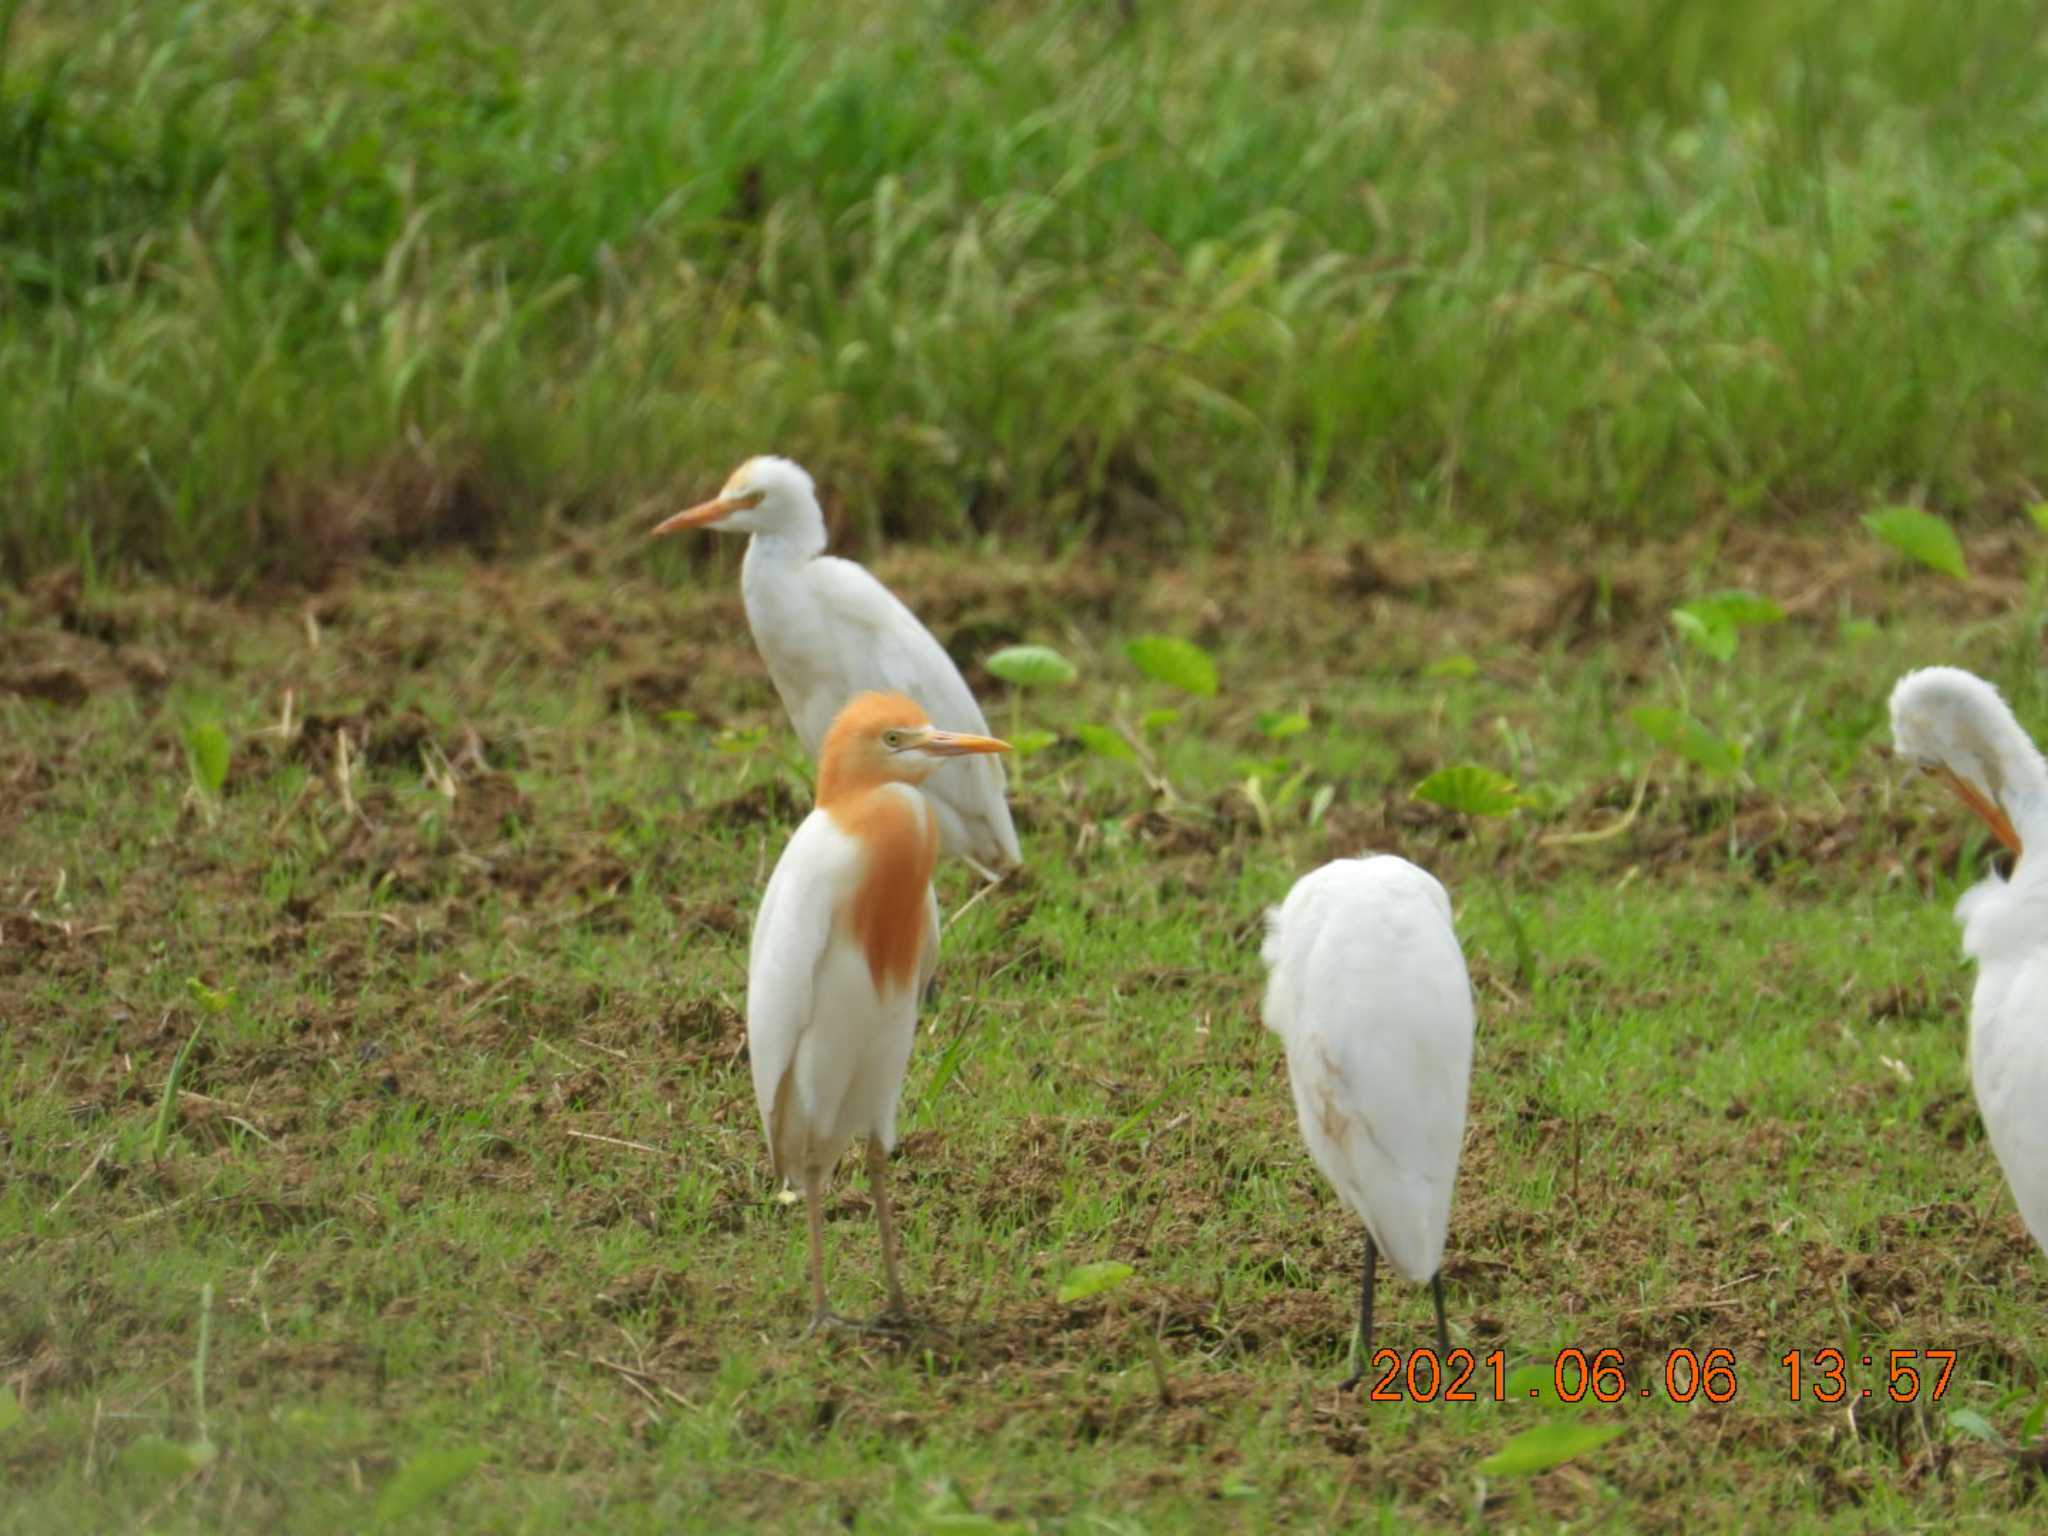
x=828, y=630
x=1369, y=992
x=1954, y=724
x=814, y=1014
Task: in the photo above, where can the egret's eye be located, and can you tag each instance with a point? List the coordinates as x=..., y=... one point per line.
x=893, y=740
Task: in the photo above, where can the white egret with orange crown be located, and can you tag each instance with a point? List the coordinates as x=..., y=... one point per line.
x=847, y=938
x=1953, y=725
x=1368, y=989
x=828, y=630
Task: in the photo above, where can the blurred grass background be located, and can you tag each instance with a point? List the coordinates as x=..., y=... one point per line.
x=286, y=282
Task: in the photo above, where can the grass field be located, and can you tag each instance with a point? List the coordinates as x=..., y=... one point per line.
x=282, y=282
x=456, y=1209
x=382, y=818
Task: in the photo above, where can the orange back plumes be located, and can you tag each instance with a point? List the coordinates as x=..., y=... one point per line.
x=886, y=915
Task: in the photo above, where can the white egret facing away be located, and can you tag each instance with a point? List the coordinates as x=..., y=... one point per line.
x=1368, y=990
x=828, y=630
x=847, y=937
x=1954, y=725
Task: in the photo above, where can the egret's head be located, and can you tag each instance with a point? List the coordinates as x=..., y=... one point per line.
x=764, y=495
x=883, y=737
x=1953, y=725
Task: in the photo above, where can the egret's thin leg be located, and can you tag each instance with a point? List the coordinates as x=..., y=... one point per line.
x=1364, y=1360
x=814, y=1203
x=1443, y=1333
x=885, y=1218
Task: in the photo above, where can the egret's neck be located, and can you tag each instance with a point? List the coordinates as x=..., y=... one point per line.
x=798, y=534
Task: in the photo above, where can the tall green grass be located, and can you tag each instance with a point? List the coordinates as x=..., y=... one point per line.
x=281, y=279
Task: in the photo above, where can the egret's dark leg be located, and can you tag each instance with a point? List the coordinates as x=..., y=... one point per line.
x=1364, y=1357
x=1443, y=1333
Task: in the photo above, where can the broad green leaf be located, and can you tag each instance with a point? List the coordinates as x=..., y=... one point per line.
x=211, y=1000
x=160, y=1458
x=206, y=744
x=1452, y=666
x=1711, y=635
x=1180, y=663
x=1676, y=731
x=1024, y=743
x=2031, y=1425
x=1031, y=666
x=1970, y=1422
x=1104, y=742
x=1158, y=720
x=1714, y=622
x=1743, y=610
x=1531, y=1383
x=2039, y=513
x=11, y=1412
x=1469, y=788
x=678, y=717
x=1276, y=726
x=1093, y=1280
x=1921, y=536
x=1548, y=1445
x=425, y=1478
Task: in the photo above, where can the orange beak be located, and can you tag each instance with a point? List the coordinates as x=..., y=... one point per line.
x=705, y=514
x=958, y=744
x=1994, y=817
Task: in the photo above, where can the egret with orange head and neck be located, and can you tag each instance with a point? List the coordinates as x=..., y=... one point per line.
x=847, y=937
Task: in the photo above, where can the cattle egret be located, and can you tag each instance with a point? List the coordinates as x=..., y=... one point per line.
x=1368, y=990
x=846, y=940
x=1954, y=725
x=828, y=630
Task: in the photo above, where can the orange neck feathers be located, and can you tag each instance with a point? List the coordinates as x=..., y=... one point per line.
x=897, y=834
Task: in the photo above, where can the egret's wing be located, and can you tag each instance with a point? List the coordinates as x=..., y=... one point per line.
x=886, y=648
x=817, y=869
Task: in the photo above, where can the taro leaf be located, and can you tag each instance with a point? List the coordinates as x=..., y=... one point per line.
x=1104, y=742
x=1180, y=663
x=1469, y=788
x=1024, y=743
x=1031, y=666
x=425, y=1478
x=1093, y=1280
x=1922, y=536
x=1276, y=726
x=206, y=744
x=1548, y=1445
x=1972, y=1423
x=1676, y=731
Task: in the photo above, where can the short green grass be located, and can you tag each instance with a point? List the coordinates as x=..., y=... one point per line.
x=284, y=280
x=459, y=1213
